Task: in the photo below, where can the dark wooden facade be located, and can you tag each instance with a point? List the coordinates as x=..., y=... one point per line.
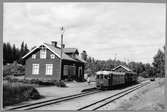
x=71, y=68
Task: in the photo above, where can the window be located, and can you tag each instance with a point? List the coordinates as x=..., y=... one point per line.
x=66, y=72
x=72, y=70
x=49, y=69
x=101, y=76
x=97, y=77
x=33, y=56
x=109, y=76
x=52, y=56
x=43, y=53
x=35, y=69
x=69, y=70
x=105, y=76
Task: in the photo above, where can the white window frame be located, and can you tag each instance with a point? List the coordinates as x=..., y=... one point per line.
x=49, y=69
x=34, y=56
x=35, y=69
x=52, y=56
x=43, y=53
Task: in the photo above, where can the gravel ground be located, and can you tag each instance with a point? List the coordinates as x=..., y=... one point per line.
x=150, y=97
x=80, y=102
x=72, y=88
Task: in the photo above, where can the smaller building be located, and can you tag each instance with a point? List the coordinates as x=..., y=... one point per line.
x=122, y=68
x=44, y=63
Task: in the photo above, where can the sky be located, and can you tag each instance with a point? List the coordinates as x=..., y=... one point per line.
x=125, y=31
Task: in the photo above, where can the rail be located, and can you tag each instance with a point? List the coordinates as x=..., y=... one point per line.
x=52, y=101
x=105, y=101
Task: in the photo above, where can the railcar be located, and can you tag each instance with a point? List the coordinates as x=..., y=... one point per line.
x=102, y=79
x=130, y=77
x=109, y=79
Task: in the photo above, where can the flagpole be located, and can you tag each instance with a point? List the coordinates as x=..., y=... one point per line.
x=61, y=55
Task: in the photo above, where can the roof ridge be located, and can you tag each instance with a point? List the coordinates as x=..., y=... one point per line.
x=55, y=50
x=125, y=67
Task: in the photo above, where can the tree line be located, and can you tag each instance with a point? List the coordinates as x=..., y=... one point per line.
x=11, y=53
x=155, y=69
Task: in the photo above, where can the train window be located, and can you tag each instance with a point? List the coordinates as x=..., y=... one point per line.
x=105, y=76
x=97, y=76
x=109, y=77
x=101, y=76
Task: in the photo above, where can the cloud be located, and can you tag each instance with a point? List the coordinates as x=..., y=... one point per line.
x=130, y=30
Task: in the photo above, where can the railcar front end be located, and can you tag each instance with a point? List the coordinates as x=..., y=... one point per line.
x=102, y=81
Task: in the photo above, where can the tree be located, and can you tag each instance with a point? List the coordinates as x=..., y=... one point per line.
x=11, y=53
x=26, y=50
x=33, y=47
x=22, y=49
x=149, y=70
x=159, y=63
x=14, y=52
x=84, y=55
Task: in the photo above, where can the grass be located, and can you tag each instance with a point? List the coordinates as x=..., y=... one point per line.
x=36, y=82
x=18, y=90
x=150, y=98
x=14, y=93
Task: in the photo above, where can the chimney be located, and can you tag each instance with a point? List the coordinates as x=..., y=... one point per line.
x=54, y=43
x=63, y=45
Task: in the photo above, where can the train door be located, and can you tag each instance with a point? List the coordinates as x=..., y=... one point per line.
x=101, y=79
x=80, y=73
x=110, y=81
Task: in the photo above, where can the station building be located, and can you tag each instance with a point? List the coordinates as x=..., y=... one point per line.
x=45, y=63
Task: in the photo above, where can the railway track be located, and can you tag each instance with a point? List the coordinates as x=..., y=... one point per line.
x=101, y=103
x=93, y=106
x=52, y=101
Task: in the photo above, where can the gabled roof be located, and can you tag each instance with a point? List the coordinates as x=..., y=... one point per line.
x=126, y=68
x=109, y=72
x=55, y=50
x=70, y=50
x=80, y=59
x=30, y=52
x=103, y=72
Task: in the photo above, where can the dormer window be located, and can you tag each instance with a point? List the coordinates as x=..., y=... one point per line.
x=43, y=53
x=33, y=56
x=52, y=56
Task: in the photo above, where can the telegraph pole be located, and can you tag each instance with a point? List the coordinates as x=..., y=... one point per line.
x=61, y=55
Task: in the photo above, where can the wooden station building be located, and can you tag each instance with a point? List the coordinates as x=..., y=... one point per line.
x=45, y=63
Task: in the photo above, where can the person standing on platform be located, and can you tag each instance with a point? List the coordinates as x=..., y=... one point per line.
x=88, y=79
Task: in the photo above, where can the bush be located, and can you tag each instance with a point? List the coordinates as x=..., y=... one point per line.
x=14, y=93
x=46, y=83
x=13, y=69
x=34, y=81
x=12, y=79
x=53, y=82
x=60, y=83
x=144, y=74
x=49, y=82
